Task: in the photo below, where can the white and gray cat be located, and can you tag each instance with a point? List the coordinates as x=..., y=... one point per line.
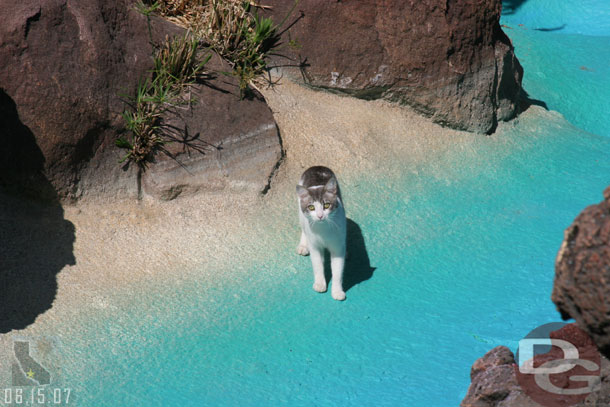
x=323, y=224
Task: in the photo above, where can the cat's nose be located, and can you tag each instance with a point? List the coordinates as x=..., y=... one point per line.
x=320, y=216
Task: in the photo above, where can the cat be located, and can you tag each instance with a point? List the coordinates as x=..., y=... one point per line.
x=323, y=225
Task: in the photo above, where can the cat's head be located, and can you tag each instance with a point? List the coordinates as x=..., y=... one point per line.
x=319, y=202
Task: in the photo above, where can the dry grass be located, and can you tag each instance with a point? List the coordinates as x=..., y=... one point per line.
x=225, y=24
x=185, y=13
x=179, y=63
x=232, y=28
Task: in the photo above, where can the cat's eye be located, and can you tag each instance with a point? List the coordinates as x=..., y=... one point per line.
x=311, y=207
x=326, y=205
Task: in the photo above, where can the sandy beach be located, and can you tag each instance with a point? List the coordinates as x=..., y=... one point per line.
x=121, y=244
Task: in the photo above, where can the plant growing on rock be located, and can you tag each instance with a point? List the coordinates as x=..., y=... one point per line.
x=233, y=29
x=147, y=9
x=176, y=66
x=143, y=122
x=250, y=59
x=236, y=32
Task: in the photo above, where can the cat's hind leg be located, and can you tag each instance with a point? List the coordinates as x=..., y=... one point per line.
x=303, y=247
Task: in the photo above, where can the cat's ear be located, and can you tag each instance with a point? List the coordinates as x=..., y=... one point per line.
x=331, y=185
x=302, y=192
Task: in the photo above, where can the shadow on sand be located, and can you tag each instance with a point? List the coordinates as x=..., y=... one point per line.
x=357, y=264
x=526, y=101
x=36, y=242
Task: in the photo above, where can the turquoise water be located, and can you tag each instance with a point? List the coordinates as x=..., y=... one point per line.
x=568, y=67
x=463, y=250
x=463, y=255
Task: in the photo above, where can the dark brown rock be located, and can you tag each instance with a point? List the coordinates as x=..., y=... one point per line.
x=497, y=382
x=563, y=380
x=582, y=273
x=63, y=67
x=494, y=382
x=220, y=141
x=448, y=59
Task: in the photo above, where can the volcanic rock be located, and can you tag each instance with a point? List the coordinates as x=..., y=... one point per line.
x=450, y=60
x=64, y=68
x=582, y=273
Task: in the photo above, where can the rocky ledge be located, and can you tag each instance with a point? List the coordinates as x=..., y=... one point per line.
x=63, y=65
x=450, y=60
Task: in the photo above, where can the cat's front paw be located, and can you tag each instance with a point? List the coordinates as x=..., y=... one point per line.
x=319, y=287
x=303, y=250
x=338, y=295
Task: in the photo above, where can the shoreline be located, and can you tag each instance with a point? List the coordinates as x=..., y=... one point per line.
x=123, y=243
x=216, y=272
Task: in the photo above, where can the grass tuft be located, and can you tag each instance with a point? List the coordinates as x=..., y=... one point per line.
x=232, y=28
x=176, y=66
x=177, y=63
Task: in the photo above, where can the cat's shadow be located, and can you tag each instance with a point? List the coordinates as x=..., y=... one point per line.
x=357, y=263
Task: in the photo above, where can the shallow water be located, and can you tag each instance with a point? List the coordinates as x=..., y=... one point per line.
x=461, y=254
x=565, y=50
x=462, y=250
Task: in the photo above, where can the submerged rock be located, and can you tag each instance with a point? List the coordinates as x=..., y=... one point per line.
x=449, y=60
x=582, y=273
